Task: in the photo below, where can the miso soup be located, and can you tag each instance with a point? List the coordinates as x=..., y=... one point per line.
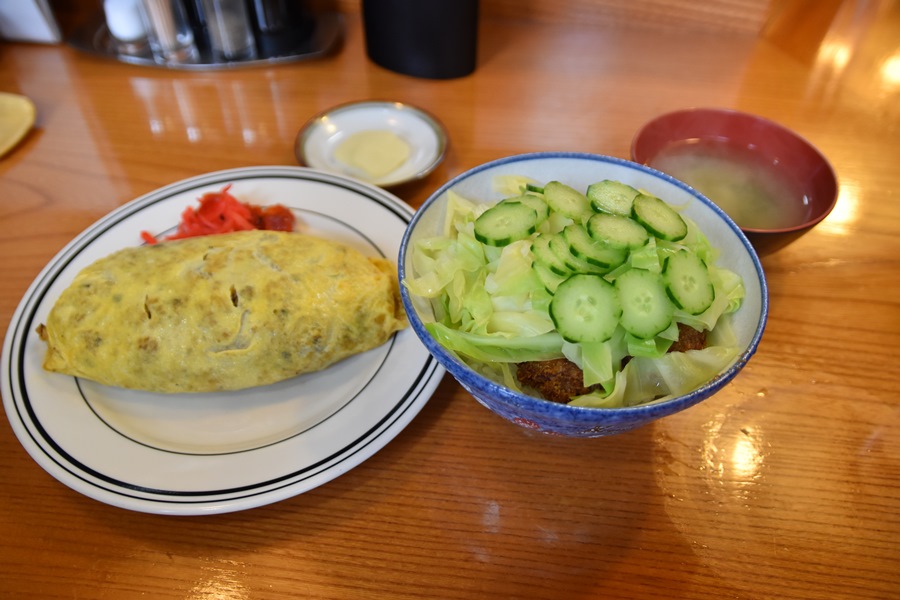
x=753, y=190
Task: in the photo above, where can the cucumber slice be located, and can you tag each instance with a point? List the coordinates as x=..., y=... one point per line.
x=505, y=223
x=534, y=202
x=567, y=200
x=585, y=308
x=687, y=282
x=646, y=308
x=544, y=255
x=575, y=264
x=612, y=197
x=530, y=187
x=582, y=245
x=658, y=218
x=548, y=278
x=617, y=231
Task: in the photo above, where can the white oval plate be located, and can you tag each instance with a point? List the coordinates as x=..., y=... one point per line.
x=320, y=137
x=214, y=453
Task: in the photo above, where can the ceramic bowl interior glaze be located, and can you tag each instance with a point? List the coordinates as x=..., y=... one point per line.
x=579, y=170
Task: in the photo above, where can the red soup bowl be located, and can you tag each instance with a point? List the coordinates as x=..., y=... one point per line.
x=773, y=183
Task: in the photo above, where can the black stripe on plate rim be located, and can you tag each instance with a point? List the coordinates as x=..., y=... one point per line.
x=65, y=257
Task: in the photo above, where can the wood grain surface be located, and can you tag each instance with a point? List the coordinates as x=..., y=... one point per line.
x=748, y=16
x=784, y=485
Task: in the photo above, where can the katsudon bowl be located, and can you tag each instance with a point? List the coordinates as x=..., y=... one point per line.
x=498, y=389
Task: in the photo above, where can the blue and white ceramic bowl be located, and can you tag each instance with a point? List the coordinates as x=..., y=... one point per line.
x=580, y=170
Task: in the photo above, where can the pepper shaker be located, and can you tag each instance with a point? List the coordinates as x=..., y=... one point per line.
x=230, y=36
x=281, y=27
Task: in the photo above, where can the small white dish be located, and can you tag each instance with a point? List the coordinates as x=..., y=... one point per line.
x=318, y=141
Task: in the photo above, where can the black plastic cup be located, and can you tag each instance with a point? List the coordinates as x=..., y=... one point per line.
x=433, y=39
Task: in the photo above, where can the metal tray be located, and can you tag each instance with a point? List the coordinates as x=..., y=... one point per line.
x=94, y=37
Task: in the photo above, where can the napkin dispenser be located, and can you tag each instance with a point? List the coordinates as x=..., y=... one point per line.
x=28, y=21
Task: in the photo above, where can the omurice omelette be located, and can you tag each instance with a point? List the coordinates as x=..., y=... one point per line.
x=221, y=312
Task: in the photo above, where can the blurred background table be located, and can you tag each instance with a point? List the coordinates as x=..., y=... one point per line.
x=784, y=485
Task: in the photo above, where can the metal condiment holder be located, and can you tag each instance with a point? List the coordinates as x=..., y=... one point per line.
x=323, y=37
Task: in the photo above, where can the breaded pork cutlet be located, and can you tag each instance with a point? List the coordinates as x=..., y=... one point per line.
x=560, y=380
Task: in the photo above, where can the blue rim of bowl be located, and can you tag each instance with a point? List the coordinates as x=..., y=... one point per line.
x=583, y=413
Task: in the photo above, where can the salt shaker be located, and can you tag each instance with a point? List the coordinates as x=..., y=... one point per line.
x=126, y=24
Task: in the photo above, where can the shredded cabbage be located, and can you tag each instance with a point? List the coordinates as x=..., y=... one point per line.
x=491, y=310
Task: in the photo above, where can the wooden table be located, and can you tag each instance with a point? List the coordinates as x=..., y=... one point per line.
x=786, y=484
